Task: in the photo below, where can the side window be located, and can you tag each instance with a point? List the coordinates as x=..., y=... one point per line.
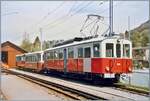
x=126, y=50
x=23, y=58
x=56, y=56
x=96, y=50
x=118, y=50
x=47, y=55
x=51, y=55
x=80, y=52
x=87, y=52
x=38, y=57
x=109, y=50
x=18, y=58
x=70, y=52
x=60, y=54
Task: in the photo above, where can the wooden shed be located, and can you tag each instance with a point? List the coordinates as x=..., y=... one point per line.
x=9, y=52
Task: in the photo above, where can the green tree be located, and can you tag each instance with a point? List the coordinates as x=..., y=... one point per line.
x=36, y=44
x=26, y=45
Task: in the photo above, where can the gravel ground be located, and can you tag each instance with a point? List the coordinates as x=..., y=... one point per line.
x=15, y=88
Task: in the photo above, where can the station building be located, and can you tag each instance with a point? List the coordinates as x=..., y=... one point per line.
x=8, y=53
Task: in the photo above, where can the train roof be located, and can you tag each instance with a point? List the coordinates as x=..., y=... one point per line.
x=33, y=52
x=20, y=54
x=85, y=41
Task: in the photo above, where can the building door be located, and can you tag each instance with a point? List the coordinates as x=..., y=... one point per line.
x=4, y=57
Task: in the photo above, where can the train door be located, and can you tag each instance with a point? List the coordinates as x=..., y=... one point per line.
x=65, y=60
x=87, y=59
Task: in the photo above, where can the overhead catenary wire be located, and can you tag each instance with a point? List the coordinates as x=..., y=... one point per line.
x=48, y=14
x=69, y=11
x=54, y=23
x=71, y=15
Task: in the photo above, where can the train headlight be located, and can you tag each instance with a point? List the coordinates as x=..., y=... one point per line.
x=107, y=69
x=130, y=69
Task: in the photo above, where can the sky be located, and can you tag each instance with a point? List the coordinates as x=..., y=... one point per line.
x=64, y=19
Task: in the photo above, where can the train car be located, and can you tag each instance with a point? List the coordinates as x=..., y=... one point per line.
x=20, y=60
x=34, y=61
x=95, y=59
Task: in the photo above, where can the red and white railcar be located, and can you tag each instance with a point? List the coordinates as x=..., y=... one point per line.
x=34, y=61
x=20, y=60
x=105, y=57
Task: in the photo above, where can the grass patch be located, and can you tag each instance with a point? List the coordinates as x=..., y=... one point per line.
x=138, y=89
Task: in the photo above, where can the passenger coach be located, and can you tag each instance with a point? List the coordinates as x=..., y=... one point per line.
x=20, y=60
x=34, y=61
x=97, y=58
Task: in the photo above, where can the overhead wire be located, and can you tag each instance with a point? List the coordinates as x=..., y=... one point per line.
x=75, y=13
x=54, y=24
x=48, y=14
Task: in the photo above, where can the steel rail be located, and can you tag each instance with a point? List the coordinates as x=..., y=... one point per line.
x=55, y=86
x=78, y=92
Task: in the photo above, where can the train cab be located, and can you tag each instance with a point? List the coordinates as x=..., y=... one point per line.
x=115, y=57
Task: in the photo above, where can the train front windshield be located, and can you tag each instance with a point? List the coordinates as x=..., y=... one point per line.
x=118, y=50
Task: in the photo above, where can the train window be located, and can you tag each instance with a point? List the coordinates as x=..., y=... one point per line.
x=32, y=58
x=27, y=58
x=38, y=57
x=60, y=54
x=118, y=50
x=51, y=55
x=109, y=50
x=96, y=50
x=22, y=58
x=80, y=52
x=70, y=52
x=126, y=50
x=87, y=52
x=56, y=55
x=18, y=58
x=47, y=55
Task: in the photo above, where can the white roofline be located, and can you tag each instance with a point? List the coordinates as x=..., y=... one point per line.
x=83, y=42
x=34, y=52
x=20, y=54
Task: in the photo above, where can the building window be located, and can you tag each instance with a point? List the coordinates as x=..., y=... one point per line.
x=96, y=50
x=109, y=50
x=80, y=52
x=87, y=52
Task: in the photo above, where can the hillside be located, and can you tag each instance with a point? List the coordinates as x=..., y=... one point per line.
x=140, y=36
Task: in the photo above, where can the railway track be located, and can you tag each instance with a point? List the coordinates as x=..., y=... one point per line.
x=78, y=91
x=69, y=92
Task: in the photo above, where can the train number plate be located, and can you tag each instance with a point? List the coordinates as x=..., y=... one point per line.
x=109, y=75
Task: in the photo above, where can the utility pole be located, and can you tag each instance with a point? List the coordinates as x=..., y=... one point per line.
x=149, y=53
x=41, y=38
x=111, y=17
x=129, y=27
